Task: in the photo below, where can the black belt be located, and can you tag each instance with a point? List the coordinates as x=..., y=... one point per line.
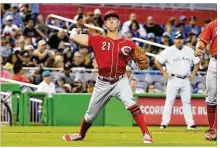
x=178, y=76
x=110, y=80
x=215, y=57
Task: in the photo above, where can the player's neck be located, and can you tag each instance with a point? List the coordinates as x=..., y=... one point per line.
x=113, y=35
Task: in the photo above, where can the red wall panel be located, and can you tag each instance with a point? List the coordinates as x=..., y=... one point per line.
x=161, y=15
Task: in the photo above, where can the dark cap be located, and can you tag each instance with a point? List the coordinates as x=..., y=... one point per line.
x=178, y=35
x=192, y=18
x=111, y=13
x=179, y=25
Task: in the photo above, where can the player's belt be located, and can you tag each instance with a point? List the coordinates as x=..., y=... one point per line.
x=178, y=76
x=110, y=80
x=215, y=57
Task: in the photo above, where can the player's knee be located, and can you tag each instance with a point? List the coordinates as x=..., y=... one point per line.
x=129, y=103
x=211, y=97
x=169, y=102
x=90, y=117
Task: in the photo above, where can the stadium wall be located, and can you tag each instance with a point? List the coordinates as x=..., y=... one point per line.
x=69, y=110
x=161, y=15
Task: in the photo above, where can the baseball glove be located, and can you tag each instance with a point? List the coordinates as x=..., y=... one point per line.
x=141, y=59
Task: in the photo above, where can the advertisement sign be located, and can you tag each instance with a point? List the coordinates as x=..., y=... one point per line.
x=152, y=108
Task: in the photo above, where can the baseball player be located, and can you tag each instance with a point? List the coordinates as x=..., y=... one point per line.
x=112, y=53
x=209, y=36
x=178, y=60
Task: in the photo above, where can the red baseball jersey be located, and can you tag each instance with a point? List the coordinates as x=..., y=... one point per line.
x=111, y=55
x=209, y=35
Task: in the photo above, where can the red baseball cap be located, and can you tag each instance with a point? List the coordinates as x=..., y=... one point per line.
x=111, y=13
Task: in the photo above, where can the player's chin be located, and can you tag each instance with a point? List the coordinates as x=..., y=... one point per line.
x=112, y=29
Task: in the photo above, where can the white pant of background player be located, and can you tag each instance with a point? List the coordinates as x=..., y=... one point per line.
x=174, y=86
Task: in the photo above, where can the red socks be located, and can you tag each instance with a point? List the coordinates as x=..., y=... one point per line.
x=84, y=127
x=212, y=116
x=138, y=117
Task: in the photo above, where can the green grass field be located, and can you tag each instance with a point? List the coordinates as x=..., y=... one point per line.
x=102, y=136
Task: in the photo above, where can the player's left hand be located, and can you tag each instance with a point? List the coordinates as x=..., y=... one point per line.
x=191, y=77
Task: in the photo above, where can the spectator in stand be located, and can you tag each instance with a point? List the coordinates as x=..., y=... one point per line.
x=17, y=19
x=170, y=26
x=150, y=88
x=191, y=40
x=133, y=85
x=89, y=87
x=25, y=14
x=37, y=77
x=5, y=8
x=50, y=62
x=6, y=51
x=90, y=21
x=60, y=86
x=41, y=28
x=125, y=26
x=151, y=27
x=98, y=18
x=46, y=85
x=133, y=29
x=59, y=63
x=151, y=48
x=77, y=86
x=4, y=73
x=29, y=30
x=182, y=20
x=19, y=74
x=86, y=55
x=25, y=58
x=68, y=57
x=9, y=27
x=192, y=26
x=79, y=13
x=67, y=78
x=78, y=60
x=55, y=39
x=12, y=60
x=67, y=88
x=34, y=9
x=166, y=39
x=80, y=25
x=41, y=52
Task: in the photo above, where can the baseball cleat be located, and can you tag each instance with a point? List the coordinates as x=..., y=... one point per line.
x=163, y=126
x=193, y=127
x=211, y=135
x=147, y=138
x=73, y=137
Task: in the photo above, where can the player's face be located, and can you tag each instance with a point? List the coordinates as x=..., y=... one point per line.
x=112, y=23
x=178, y=43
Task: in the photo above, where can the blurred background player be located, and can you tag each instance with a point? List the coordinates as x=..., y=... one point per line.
x=178, y=60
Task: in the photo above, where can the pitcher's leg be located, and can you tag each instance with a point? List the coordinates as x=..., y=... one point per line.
x=211, y=100
x=101, y=94
x=124, y=93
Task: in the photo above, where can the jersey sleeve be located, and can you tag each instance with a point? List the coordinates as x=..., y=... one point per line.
x=133, y=47
x=92, y=40
x=162, y=57
x=196, y=60
x=206, y=34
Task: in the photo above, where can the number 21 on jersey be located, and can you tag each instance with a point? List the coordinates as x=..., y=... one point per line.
x=104, y=44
